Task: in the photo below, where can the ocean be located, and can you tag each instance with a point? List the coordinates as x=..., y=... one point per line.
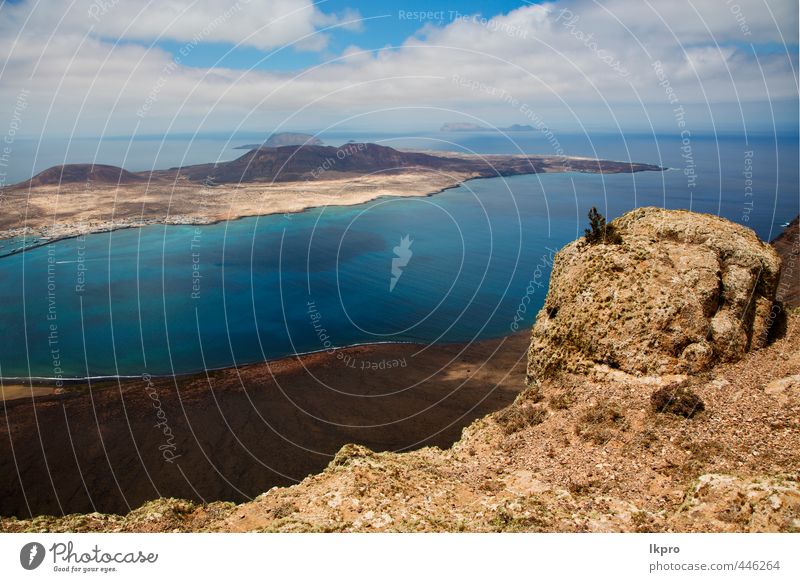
x=466, y=264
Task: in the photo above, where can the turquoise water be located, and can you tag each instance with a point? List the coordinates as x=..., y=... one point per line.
x=178, y=299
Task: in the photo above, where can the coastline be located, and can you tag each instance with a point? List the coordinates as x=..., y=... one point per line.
x=789, y=292
x=236, y=432
x=45, y=382
x=232, y=434
x=61, y=210
x=191, y=221
x=495, y=465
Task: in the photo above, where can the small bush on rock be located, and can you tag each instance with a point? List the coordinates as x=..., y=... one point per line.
x=599, y=231
x=562, y=400
x=531, y=394
x=599, y=423
x=518, y=416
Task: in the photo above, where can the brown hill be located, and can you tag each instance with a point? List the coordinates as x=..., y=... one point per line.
x=317, y=162
x=314, y=162
x=83, y=173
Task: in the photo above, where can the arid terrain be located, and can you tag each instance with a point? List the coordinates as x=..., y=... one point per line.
x=70, y=200
x=700, y=433
x=788, y=246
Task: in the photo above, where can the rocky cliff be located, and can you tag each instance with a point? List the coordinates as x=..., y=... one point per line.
x=602, y=439
x=679, y=293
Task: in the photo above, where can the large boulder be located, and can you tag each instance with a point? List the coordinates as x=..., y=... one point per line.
x=681, y=292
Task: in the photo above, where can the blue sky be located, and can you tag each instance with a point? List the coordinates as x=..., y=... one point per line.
x=92, y=67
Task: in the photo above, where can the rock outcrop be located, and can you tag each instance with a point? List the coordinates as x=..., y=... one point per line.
x=680, y=293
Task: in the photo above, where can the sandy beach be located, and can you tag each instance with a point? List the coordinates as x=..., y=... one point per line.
x=16, y=391
x=54, y=212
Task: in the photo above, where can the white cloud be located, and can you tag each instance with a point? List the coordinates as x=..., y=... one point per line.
x=700, y=21
x=538, y=55
x=263, y=24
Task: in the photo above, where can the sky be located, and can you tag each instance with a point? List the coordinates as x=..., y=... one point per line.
x=125, y=67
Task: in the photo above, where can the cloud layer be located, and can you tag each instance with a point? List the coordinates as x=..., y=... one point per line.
x=96, y=67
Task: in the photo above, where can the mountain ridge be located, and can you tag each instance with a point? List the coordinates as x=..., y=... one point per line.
x=320, y=162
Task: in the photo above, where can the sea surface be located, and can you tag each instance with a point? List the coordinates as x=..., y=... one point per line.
x=469, y=263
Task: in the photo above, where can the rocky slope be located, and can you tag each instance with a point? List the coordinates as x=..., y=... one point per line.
x=788, y=246
x=582, y=448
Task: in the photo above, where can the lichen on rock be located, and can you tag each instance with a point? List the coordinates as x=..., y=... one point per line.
x=682, y=292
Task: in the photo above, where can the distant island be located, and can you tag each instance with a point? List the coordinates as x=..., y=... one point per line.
x=455, y=126
x=286, y=138
x=73, y=199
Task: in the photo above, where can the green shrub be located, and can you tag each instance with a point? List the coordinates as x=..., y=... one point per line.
x=599, y=231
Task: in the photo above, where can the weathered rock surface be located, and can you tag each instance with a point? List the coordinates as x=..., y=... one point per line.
x=730, y=504
x=785, y=390
x=682, y=292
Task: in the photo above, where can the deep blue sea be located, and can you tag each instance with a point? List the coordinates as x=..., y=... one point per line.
x=178, y=299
